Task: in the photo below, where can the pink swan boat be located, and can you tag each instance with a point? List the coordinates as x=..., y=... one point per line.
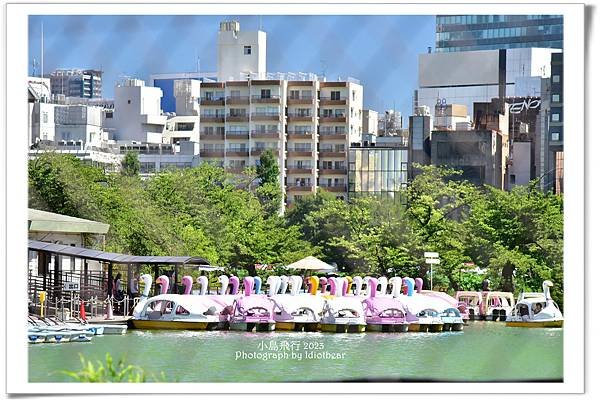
x=384, y=314
x=252, y=312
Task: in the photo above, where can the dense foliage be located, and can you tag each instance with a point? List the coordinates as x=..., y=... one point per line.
x=514, y=239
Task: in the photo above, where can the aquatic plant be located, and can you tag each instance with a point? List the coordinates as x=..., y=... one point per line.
x=111, y=372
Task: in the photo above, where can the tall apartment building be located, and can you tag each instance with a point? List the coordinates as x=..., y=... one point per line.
x=370, y=122
x=76, y=83
x=309, y=125
x=488, y=32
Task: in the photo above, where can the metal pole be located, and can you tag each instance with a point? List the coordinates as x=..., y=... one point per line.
x=431, y=276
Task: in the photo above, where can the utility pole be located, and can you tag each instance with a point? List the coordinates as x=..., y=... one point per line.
x=42, y=55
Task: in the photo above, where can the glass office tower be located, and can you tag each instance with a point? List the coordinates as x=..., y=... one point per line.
x=487, y=32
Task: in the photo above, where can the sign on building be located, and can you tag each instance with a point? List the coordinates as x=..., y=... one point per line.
x=70, y=286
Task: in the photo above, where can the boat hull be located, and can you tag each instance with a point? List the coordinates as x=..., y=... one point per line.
x=252, y=326
x=297, y=326
x=171, y=325
x=453, y=326
x=114, y=329
x=388, y=328
x=542, y=324
x=343, y=328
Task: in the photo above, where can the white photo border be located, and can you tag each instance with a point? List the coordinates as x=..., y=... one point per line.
x=16, y=184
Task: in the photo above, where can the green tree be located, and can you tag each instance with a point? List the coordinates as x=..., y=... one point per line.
x=130, y=165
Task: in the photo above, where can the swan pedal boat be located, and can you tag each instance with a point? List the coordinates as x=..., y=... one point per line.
x=497, y=305
x=343, y=315
x=386, y=315
x=179, y=312
x=252, y=313
x=299, y=312
x=536, y=310
x=472, y=301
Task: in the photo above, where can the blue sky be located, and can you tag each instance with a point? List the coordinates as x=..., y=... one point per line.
x=380, y=51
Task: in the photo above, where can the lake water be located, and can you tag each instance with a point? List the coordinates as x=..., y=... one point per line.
x=484, y=351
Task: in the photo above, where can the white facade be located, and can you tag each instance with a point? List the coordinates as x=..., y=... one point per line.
x=79, y=123
x=475, y=76
x=137, y=115
x=369, y=123
x=240, y=52
x=41, y=122
x=519, y=169
x=182, y=128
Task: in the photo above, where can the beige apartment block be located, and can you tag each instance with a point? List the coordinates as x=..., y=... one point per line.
x=309, y=125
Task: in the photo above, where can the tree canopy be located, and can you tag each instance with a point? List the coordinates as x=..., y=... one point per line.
x=513, y=238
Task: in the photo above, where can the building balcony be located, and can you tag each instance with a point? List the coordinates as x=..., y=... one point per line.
x=238, y=99
x=235, y=118
x=212, y=153
x=334, y=187
x=293, y=117
x=266, y=116
x=331, y=135
x=237, y=134
x=239, y=153
x=212, y=119
x=332, y=153
x=299, y=188
x=212, y=102
x=265, y=134
x=299, y=135
x=260, y=151
x=328, y=101
x=299, y=153
x=300, y=100
x=265, y=99
x=333, y=119
x=212, y=136
x=333, y=171
x=299, y=170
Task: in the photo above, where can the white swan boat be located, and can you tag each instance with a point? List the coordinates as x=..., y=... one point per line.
x=536, y=310
x=295, y=311
x=472, y=301
x=179, y=312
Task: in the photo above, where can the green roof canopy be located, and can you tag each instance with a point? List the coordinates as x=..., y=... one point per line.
x=59, y=223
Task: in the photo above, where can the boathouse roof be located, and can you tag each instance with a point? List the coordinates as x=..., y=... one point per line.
x=94, y=254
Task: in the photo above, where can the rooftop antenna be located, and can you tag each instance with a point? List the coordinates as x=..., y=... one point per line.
x=34, y=64
x=323, y=67
x=42, y=55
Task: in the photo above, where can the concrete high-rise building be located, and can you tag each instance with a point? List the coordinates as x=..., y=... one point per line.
x=489, y=32
x=240, y=53
x=76, y=83
x=419, y=139
x=137, y=115
x=309, y=125
x=479, y=76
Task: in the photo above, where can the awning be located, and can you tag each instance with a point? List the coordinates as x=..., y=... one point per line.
x=93, y=254
x=40, y=220
x=310, y=263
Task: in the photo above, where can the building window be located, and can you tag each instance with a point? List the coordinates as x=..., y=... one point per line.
x=555, y=136
x=45, y=117
x=555, y=117
x=335, y=95
x=247, y=49
x=555, y=98
x=128, y=101
x=555, y=78
x=513, y=179
x=265, y=93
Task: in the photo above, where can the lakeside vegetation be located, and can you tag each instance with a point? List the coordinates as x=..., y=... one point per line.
x=516, y=236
